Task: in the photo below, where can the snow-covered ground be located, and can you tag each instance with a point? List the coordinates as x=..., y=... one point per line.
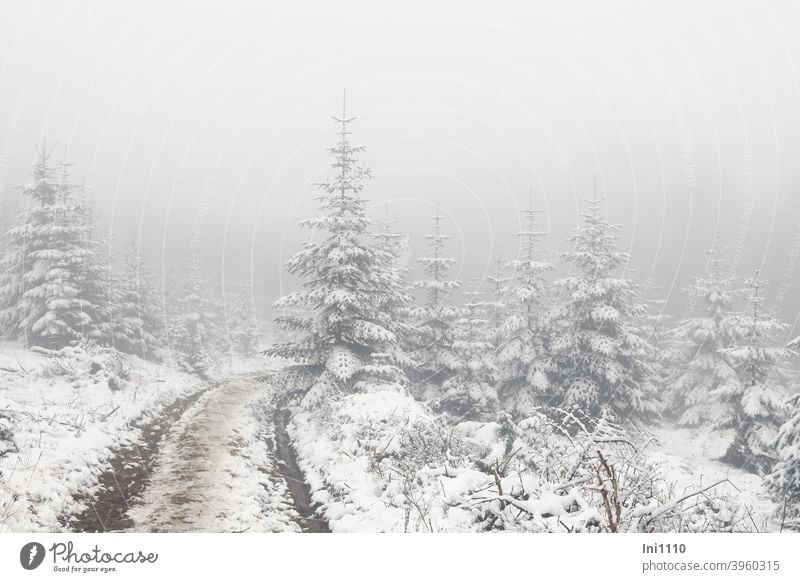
x=216, y=471
x=373, y=461
x=361, y=456
x=334, y=456
x=68, y=413
x=689, y=457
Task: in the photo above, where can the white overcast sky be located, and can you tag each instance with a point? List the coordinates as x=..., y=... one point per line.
x=211, y=119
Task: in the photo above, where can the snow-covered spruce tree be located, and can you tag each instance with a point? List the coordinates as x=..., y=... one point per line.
x=395, y=244
x=699, y=345
x=470, y=394
x=27, y=244
x=196, y=332
x=654, y=326
x=244, y=333
x=522, y=353
x=47, y=289
x=497, y=304
x=783, y=483
x=94, y=271
x=350, y=290
x=390, y=240
x=755, y=397
x=137, y=316
x=431, y=344
x=598, y=363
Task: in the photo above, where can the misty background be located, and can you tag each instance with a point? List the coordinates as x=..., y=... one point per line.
x=207, y=123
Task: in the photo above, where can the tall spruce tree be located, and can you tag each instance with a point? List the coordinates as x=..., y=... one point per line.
x=349, y=288
x=28, y=243
x=700, y=343
x=597, y=360
x=522, y=354
x=755, y=397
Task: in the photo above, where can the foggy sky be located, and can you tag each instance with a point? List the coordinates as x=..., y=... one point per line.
x=208, y=122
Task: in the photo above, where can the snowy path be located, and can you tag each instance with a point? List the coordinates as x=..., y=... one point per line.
x=216, y=470
x=218, y=461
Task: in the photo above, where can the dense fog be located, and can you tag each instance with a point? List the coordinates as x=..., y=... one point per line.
x=209, y=122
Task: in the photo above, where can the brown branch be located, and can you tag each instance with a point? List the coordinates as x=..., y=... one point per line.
x=611, y=502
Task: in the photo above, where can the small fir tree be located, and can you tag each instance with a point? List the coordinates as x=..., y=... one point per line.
x=243, y=327
x=522, y=353
x=432, y=342
x=700, y=343
x=754, y=398
x=599, y=363
x=137, y=312
x=498, y=304
x=470, y=393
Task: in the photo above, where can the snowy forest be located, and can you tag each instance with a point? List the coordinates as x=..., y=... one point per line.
x=408, y=267
x=385, y=396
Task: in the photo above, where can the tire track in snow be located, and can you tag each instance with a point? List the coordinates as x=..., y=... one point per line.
x=295, y=479
x=128, y=474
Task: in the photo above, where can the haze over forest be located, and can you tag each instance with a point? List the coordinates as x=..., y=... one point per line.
x=192, y=121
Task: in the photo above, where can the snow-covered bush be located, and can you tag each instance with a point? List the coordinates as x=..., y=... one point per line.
x=546, y=479
x=711, y=509
x=381, y=461
x=422, y=451
x=6, y=435
x=88, y=364
x=110, y=367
